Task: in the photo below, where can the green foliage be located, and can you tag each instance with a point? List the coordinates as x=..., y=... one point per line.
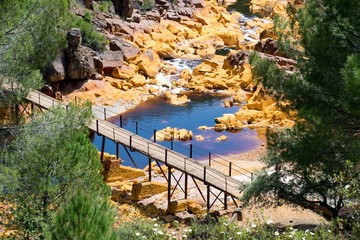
x=148, y=5
x=87, y=17
x=83, y=216
x=26, y=46
x=215, y=229
x=105, y=6
x=324, y=39
x=142, y=229
x=49, y=157
x=90, y=37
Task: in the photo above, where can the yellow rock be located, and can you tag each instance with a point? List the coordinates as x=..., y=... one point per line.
x=222, y=138
x=146, y=190
x=165, y=36
x=207, y=40
x=153, y=164
x=153, y=91
x=158, y=171
x=123, y=173
x=185, y=75
x=179, y=100
x=201, y=69
x=181, y=205
x=138, y=80
x=124, y=72
x=229, y=36
x=195, y=208
x=206, y=53
x=199, y=138
x=148, y=63
x=164, y=50
x=236, y=15
x=192, y=25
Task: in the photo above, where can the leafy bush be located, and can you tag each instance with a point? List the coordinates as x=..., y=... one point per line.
x=105, y=6
x=148, y=5
x=87, y=17
x=211, y=228
x=90, y=38
x=143, y=229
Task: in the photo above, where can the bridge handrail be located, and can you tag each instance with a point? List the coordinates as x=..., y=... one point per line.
x=208, y=171
x=143, y=127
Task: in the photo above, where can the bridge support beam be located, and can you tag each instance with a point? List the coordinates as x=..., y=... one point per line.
x=186, y=185
x=102, y=149
x=149, y=169
x=117, y=150
x=169, y=185
x=208, y=198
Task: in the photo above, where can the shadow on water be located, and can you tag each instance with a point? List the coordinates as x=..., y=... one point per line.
x=243, y=7
x=202, y=110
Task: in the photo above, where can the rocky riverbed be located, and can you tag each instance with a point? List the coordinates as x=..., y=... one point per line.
x=136, y=66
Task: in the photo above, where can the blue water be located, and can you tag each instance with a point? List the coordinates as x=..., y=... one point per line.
x=202, y=110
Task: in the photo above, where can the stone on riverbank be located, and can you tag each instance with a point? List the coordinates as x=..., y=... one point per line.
x=147, y=189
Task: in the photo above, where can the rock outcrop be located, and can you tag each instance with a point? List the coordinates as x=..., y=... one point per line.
x=168, y=133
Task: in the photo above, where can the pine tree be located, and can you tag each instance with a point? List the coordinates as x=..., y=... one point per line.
x=324, y=38
x=84, y=216
x=31, y=35
x=49, y=157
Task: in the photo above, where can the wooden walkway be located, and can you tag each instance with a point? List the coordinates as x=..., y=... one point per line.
x=198, y=170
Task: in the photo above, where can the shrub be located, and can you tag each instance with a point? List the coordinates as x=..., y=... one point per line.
x=87, y=17
x=105, y=6
x=214, y=229
x=143, y=229
x=148, y=5
x=90, y=38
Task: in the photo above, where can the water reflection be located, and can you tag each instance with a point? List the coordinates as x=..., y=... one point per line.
x=202, y=110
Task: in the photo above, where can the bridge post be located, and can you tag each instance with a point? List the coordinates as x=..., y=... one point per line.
x=186, y=185
x=102, y=149
x=104, y=113
x=209, y=159
x=191, y=150
x=117, y=150
x=149, y=169
x=169, y=185
x=121, y=122
x=154, y=135
x=225, y=195
x=208, y=198
x=230, y=163
x=137, y=128
x=166, y=156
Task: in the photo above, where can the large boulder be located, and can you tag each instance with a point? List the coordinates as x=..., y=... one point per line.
x=148, y=64
x=80, y=62
x=124, y=7
x=138, y=80
x=88, y=3
x=236, y=61
x=74, y=37
x=109, y=60
x=125, y=72
x=147, y=189
x=55, y=71
x=129, y=51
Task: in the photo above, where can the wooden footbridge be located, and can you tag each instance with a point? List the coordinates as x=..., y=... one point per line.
x=226, y=184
